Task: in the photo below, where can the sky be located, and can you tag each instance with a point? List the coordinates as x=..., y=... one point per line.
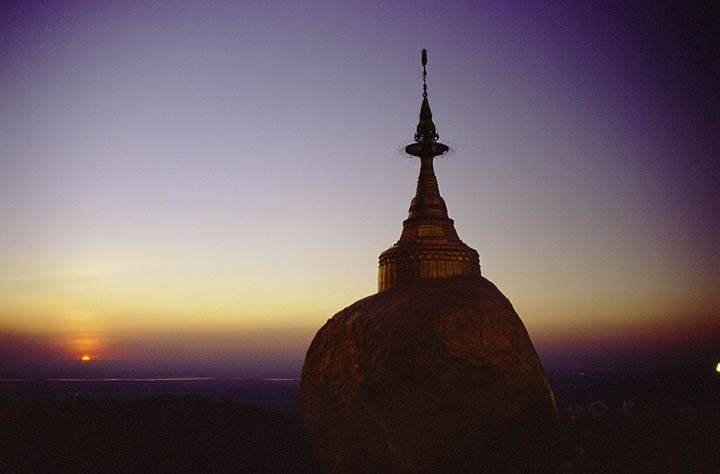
x=214, y=180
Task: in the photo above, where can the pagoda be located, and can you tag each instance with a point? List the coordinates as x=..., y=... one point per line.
x=435, y=372
x=429, y=246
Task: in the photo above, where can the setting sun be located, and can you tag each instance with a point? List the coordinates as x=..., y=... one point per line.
x=85, y=358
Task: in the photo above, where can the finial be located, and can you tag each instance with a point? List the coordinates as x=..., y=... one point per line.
x=424, y=63
x=426, y=135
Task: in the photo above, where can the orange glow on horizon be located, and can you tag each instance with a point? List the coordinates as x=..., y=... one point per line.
x=85, y=358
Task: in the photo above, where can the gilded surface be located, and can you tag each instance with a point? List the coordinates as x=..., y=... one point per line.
x=429, y=246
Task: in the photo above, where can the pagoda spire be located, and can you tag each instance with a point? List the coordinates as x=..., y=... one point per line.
x=426, y=136
x=427, y=201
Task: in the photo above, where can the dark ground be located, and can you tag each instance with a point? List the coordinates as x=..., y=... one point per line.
x=225, y=426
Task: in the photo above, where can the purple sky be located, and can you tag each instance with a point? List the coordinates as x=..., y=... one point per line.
x=229, y=172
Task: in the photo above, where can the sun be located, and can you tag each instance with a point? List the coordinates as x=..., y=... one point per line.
x=85, y=358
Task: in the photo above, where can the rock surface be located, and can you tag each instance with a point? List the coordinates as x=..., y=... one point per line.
x=433, y=376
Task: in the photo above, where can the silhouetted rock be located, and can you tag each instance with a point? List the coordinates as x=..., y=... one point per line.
x=432, y=376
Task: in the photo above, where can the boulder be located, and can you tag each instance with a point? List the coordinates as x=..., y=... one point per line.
x=432, y=376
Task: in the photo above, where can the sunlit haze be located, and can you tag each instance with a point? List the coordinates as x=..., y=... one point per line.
x=184, y=180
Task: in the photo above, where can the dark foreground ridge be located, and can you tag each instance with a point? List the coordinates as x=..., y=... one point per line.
x=167, y=434
x=671, y=425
